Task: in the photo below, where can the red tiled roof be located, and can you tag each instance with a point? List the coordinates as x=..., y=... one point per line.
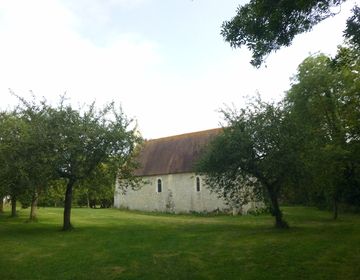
x=174, y=154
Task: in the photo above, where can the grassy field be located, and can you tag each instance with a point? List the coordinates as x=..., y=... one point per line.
x=113, y=244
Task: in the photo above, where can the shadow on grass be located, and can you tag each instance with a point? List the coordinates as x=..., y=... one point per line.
x=130, y=222
x=114, y=244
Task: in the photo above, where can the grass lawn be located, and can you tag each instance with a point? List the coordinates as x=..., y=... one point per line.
x=114, y=244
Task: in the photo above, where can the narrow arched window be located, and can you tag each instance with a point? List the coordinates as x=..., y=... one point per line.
x=159, y=185
x=197, y=184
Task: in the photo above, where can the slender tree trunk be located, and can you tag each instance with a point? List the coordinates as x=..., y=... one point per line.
x=67, y=207
x=276, y=212
x=1, y=204
x=34, y=202
x=13, y=206
x=87, y=200
x=336, y=210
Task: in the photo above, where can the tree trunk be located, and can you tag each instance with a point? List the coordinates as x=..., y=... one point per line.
x=67, y=207
x=34, y=202
x=87, y=200
x=13, y=206
x=276, y=212
x=1, y=204
x=335, y=206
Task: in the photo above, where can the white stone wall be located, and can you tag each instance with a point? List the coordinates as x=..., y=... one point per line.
x=178, y=195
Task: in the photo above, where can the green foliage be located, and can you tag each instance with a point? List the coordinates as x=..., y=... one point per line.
x=42, y=146
x=325, y=105
x=87, y=141
x=38, y=156
x=264, y=26
x=255, y=149
x=98, y=189
x=113, y=244
x=13, y=171
x=352, y=32
x=54, y=195
x=26, y=152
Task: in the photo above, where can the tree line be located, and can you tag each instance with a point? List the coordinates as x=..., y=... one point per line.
x=304, y=149
x=46, y=151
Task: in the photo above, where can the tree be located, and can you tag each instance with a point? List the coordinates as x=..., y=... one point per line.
x=13, y=179
x=99, y=188
x=325, y=103
x=264, y=26
x=53, y=196
x=85, y=140
x=25, y=154
x=38, y=157
x=352, y=31
x=256, y=146
x=4, y=186
x=4, y=182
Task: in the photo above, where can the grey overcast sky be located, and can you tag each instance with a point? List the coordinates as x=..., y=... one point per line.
x=164, y=61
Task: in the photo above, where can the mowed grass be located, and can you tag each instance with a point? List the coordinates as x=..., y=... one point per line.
x=114, y=244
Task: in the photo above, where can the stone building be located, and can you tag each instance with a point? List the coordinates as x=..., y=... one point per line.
x=170, y=182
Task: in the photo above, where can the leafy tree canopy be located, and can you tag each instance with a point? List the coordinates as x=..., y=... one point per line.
x=352, y=31
x=264, y=26
x=41, y=144
x=324, y=102
x=86, y=139
x=13, y=150
x=255, y=148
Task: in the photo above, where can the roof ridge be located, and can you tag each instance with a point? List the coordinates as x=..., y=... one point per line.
x=184, y=134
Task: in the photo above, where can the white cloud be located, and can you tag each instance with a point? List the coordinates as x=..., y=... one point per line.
x=40, y=51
